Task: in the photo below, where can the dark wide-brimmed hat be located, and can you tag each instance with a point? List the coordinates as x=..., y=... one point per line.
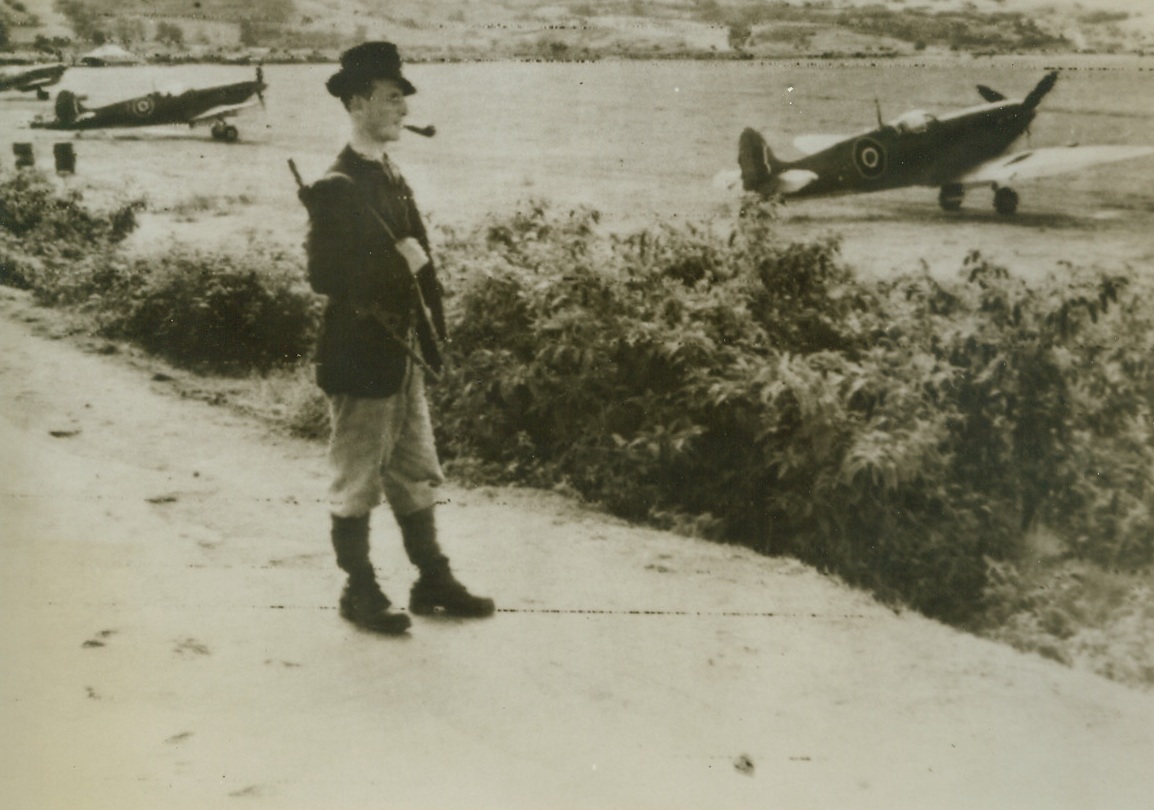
x=363, y=63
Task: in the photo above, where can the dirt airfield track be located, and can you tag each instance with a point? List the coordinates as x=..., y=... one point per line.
x=639, y=141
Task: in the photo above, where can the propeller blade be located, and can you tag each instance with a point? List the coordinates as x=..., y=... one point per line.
x=1038, y=93
x=260, y=85
x=989, y=94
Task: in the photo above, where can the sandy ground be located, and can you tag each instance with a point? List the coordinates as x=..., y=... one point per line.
x=169, y=639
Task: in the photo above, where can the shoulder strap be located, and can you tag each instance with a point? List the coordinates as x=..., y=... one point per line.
x=426, y=329
x=372, y=211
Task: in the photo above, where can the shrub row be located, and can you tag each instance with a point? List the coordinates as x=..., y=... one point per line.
x=218, y=312
x=900, y=433
x=43, y=229
x=211, y=311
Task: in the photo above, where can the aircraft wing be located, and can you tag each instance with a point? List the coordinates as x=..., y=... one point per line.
x=33, y=79
x=1049, y=161
x=812, y=144
x=221, y=111
x=34, y=82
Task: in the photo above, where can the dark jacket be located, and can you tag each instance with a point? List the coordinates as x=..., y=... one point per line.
x=352, y=260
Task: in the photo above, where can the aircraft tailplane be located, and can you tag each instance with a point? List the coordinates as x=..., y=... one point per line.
x=757, y=161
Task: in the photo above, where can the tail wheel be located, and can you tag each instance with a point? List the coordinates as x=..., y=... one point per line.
x=951, y=196
x=1005, y=201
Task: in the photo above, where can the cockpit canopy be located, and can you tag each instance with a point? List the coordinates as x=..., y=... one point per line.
x=913, y=122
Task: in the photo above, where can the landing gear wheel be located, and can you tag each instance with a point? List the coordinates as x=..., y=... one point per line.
x=217, y=131
x=951, y=196
x=229, y=134
x=1005, y=201
x=41, y=94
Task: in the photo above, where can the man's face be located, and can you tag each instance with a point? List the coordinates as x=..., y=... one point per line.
x=379, y=115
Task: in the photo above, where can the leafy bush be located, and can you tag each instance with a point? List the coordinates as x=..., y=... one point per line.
x=1076, y=613
x=41, y=225
x=213, y=311
x=217, y=311
x=900, y=433
x=32, y=207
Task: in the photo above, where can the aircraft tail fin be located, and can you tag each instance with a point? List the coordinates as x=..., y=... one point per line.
x=1038, y=93
x=68, y=107
x=757, y=161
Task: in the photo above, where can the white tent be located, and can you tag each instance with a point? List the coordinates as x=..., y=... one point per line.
x=109, y=54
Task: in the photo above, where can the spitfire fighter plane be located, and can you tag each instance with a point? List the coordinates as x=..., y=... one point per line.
x=35, y=78
x=192, y=107
x=953, y=152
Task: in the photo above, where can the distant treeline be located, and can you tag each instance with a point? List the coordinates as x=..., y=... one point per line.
x=577, y=30
x=755, y=22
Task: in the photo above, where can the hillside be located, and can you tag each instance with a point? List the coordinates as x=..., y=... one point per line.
x=587, y=29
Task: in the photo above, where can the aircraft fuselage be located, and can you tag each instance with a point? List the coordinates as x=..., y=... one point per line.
x=154, y=108
x=35, y=78
x=916, y=149
x=961, y=149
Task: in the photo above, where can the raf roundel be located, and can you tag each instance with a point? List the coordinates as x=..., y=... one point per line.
x=869, y=157
x=143, y=107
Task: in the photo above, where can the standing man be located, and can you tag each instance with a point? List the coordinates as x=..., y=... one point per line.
x=369, y=254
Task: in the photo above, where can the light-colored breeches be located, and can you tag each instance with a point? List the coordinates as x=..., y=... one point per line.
x=383, y=446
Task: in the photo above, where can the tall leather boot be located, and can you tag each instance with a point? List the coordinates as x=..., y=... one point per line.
x=362, y=601
x=436, y=589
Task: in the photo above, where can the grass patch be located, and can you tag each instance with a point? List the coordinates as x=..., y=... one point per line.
x=191, y=208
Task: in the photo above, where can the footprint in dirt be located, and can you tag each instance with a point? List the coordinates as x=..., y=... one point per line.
x=296, y=561
x=99, y=640
x=249, y=792
x=190, y=646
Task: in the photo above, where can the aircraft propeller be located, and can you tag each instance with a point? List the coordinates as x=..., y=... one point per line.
x=1035, y=98
x=989, y=94
x=260, y=84
x=1038, y=93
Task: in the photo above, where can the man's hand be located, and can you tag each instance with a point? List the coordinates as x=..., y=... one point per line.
x=413, y=254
